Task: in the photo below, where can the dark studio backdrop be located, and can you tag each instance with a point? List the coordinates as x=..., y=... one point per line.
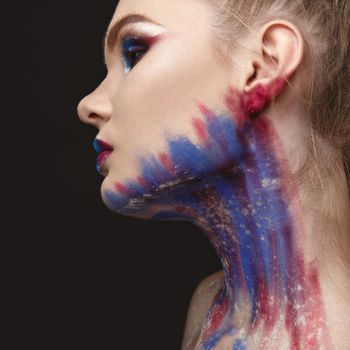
x=89, y=278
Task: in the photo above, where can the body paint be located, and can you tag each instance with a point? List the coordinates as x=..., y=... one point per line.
x=234, y=186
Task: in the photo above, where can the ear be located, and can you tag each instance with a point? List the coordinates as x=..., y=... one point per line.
x=279, y=48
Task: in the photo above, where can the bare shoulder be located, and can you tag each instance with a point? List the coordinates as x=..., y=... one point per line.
x=201, y=301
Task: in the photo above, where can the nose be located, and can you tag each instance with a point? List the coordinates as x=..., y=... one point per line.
x=95, y=109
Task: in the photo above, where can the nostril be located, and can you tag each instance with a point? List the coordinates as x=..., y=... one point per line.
x=95, y=108
x=93, y=116
x=94, y=119
x=87, y=115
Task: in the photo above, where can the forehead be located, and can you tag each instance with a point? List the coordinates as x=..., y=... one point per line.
x=173, y=14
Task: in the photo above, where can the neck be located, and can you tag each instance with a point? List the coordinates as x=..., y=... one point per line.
x=271, y=292
x=271, y=287
x=236, y=186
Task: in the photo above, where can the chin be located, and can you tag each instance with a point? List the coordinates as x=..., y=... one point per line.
x=147, y=211
x=132, y=203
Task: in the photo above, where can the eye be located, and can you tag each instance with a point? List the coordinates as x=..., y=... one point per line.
x=133, y=48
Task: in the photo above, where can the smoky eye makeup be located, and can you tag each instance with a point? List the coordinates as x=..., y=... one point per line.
x=133, y=47
x=135, y=41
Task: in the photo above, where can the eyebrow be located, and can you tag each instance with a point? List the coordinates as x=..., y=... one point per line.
x=111, y=36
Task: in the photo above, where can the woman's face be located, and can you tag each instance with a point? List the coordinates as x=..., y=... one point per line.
x=159, y=70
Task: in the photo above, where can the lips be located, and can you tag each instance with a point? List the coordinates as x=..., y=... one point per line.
x=101, y=146
x=103, y=149
x=102, y=157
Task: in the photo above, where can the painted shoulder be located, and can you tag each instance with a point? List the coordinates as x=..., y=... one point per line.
x=201, y=301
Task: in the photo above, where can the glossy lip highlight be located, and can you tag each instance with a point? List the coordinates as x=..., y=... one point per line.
x=103, y=149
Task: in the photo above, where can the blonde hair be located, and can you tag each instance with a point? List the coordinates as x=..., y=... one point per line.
x=325, y=76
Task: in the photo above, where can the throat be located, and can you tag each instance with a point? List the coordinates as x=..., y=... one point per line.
x=271, y=294
x=235, y=185
x=250, y=212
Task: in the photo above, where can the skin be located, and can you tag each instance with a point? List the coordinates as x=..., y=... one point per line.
x=196, y=138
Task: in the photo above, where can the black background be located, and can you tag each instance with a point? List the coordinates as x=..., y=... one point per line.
x=83, y=276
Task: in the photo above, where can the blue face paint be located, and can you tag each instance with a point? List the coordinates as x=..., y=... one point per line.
x=233, y=185
x=239, y=345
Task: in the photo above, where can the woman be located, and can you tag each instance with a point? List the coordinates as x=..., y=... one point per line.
x=234, y=115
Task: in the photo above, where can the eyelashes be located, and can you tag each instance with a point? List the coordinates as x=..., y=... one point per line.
x=133, y=48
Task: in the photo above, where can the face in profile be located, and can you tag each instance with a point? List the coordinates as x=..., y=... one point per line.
x=169, y=110
x=181, y=137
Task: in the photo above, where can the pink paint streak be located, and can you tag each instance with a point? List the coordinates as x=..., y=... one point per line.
x=205, y=110
x=167, y=163
x=141, y=181
x=216, y=317
x=122, y=189
x=201, y=130
x=258, y=99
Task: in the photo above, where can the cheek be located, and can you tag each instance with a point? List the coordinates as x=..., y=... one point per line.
x=161, y=93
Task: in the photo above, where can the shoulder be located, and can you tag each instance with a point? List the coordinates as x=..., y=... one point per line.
x=201, y=301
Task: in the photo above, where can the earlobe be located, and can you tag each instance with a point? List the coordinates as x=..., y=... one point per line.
x=278, y=52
